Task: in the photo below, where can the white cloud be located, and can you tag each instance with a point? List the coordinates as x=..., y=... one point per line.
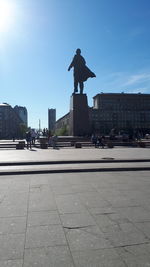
x=143, y=90
x=123, y=81
x=138, y=78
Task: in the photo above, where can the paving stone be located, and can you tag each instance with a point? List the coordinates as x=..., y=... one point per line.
x=11, y=246
x=75, y=179
x=40, y=236
x=124, y=234
x=13, y=210
x=70, y=204
x=2, y=196
x=115, y=263
x=62, y=190
x=86, y=238
x=102, y=210
x=103, y=221
x=123, y=201
x=36, y=188
x=40, y=179
x=11, y=263
x=48, y=257
x=13, y=198
x=20, y=186
x=92, y=200
x=83, y=188
x=98, y=258
x=5, y=183
x=77, y=220
x=135, y=256
x=38, y=218
x=12, y=225
x=135, y=214
x=40, y=201
x=144, y=227
x=118, y=218
x=145, y=202
x=41, y=188
x=59, y=180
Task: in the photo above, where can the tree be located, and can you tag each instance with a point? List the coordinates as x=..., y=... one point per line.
x=63, y=131
x=23, y=129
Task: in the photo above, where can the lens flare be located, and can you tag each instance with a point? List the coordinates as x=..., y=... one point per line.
x=7, y=15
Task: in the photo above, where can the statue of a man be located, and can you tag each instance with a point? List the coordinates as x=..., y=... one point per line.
x=81, y=71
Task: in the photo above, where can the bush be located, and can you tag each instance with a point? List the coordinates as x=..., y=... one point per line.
x=62, y=131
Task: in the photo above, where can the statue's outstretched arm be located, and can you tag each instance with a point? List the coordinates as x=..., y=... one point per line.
x=72, y=64
x=70, y=67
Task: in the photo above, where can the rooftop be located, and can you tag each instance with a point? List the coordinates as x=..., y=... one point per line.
x=4, y=105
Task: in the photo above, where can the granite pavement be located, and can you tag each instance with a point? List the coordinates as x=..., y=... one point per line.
x=84, y=219
x=75, y=220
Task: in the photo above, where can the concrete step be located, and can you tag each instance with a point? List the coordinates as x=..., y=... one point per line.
x=75, y=167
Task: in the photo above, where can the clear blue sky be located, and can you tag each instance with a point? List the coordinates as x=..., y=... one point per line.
x=40, y=40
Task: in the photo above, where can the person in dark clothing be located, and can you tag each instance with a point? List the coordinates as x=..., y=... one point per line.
x=94, y=140
x=102, y=141
x=28, y=139
x=81, y=71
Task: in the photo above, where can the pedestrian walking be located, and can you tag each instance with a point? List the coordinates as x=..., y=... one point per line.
x=29, y=139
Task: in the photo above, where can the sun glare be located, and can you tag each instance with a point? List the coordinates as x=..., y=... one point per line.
x=7, y=13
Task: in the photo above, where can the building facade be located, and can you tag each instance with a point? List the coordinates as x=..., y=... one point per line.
x=9, y=122
x=63, y=122
x=22, y=113
x=120, y=111
x=51, y=119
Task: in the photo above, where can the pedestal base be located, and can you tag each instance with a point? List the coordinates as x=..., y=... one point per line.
x=79, y=115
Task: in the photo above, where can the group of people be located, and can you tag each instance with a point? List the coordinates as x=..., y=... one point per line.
x=31, y=136
x=98, y=141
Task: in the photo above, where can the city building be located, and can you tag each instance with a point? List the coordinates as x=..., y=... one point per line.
x=9, y=122
x=23, y=114
x=63, y=122
x=51, y=119
x=120, y=111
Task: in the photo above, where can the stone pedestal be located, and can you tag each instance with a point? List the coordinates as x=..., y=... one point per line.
x=79, y=115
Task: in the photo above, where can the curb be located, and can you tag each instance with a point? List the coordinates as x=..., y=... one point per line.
x=122, y=169
x=104, y=160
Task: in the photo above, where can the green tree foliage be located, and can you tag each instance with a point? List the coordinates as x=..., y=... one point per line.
x=62, y=131
x=23, y=129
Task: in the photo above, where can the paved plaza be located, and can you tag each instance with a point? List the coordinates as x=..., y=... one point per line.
x=63, y=160
x=80, y=219
x=13, y=155
x=99, y=219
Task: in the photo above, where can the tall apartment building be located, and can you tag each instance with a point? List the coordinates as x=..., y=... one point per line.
x=9, y=122
x=51, y=119
x=23, y=114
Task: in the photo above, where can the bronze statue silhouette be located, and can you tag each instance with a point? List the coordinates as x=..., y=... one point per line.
x=81, y=71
